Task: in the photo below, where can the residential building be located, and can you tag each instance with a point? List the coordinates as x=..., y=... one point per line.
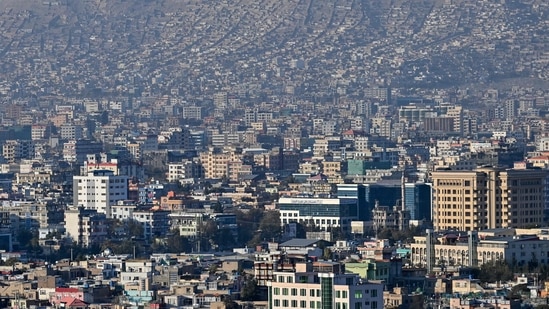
x=15, y=150
x=154, y=221
x=386, y=217
x=219, y=163
x=306, y=289
x=86, y=227
x=99, y=190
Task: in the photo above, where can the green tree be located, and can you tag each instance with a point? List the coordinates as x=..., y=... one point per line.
x=248, y=223
x=494, y=271
x=327, y=254
x=134, y=228
x=11, y=261
x=516, y=291
x=229, y=302
x=250, y=290
x=217, y=207
x=24, y=237
x=177, y=243
x=270, y=224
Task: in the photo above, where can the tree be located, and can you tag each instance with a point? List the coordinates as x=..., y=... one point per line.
x=134, y=228
x=327, y=254
x=177, y=243
x=494, y=271
x=249, y=290
x=229, y=302
x=270, y=224
x=248, y=223
x=217, y=207
x=516, y=291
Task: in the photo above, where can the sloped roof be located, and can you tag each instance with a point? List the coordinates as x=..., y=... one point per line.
x=73, y=302
x=299, y=242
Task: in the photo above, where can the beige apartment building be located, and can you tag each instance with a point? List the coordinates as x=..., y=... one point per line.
x=219, y=163
x=488, y=198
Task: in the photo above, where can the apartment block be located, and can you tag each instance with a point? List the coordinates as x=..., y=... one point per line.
x=308, y=289
x=99, y=190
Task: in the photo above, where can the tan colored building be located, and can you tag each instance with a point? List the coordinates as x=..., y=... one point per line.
x=218, y=164
x=496, y=303
x=488, y=198
x=334, y=170
x=453, y=250
x=33, y=177
x=400, y=298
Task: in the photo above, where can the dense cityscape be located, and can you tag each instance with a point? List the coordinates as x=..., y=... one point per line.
x=345, y=154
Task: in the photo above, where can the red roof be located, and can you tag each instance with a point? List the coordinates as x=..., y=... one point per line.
x=66, y=290
x=73, y=302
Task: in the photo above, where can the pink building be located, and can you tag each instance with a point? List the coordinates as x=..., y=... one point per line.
x=62, y=294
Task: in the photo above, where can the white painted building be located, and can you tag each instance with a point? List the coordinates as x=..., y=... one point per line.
x=321, y=212
x=99, y=190
x=323, y=290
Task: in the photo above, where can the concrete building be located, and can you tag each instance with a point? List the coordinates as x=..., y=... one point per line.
x=15, y=150
x=86, y=227
x=99, y=190
x=154, y=221
x=307, y=289
x=219, y=164
x=183, y=170
x=488, y=198
x=454, y=250
x=324, y=213
x=400, y=298
x=386, y=217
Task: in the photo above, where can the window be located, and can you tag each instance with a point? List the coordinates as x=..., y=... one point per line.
x=344, y=294
x=358, y=305
x=284, y=303
x=302, y=292
x=294, y=303
x=312, y=293
x=374, y=305
x=303, y=304
x=358, y=294
x=277, y=303
x=312, y=304
x=276, y=291
x=294, y=292
x=338, y=294
x=284, y=291
x=374, y=293
x=289, y=279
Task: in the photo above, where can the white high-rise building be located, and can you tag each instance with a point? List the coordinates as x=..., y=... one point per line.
x=99, y=190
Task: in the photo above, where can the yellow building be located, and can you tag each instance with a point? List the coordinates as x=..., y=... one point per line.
x=221, y=163
x=488, y=198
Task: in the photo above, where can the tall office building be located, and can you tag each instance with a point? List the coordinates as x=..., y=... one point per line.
x=418, y=201
x=355, y=192
x=99, y=190
x=488, y=198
